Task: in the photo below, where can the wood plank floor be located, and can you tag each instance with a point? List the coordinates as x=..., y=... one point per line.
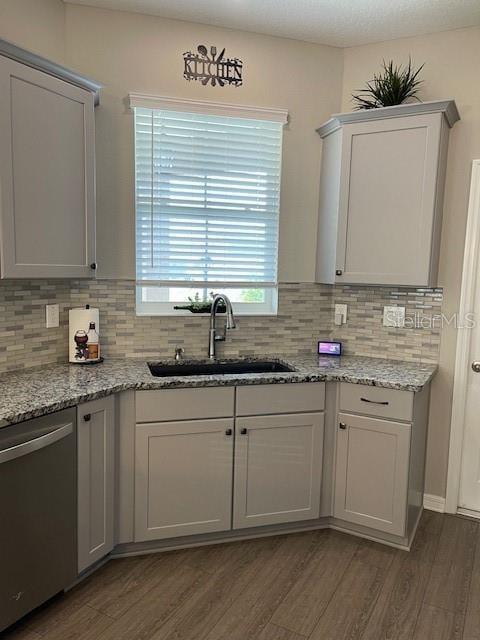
x=319, y=585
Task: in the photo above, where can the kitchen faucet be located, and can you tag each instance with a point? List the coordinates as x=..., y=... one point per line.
x=213, y=336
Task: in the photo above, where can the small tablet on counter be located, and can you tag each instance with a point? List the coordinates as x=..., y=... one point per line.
x=326, y=348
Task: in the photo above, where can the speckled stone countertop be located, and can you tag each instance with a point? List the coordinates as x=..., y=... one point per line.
x=40, y=390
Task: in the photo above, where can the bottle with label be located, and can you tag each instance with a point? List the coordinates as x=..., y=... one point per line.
x=93, y=343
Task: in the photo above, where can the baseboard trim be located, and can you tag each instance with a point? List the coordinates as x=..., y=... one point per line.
x=367, y=536
x=434, y=503
x=186, y=542
x=469, y=513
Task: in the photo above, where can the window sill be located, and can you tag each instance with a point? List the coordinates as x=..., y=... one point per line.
x=181, y=314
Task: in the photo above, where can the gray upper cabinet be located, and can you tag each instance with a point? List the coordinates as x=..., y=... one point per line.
x=47, y=175
x=381, y=194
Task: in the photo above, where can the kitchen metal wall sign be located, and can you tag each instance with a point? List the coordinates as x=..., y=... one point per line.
x=208, y=67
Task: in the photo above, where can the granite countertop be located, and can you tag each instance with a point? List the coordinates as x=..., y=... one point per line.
x=40, y=390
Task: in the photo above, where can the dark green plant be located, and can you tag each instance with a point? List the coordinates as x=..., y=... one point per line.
x=392, y=86
x=197, y=305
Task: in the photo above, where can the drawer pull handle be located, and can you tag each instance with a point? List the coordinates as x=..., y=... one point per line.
x=384, y=403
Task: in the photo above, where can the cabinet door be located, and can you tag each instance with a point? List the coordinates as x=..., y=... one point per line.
x=371, y=478
x=183, y=478
x=278, y=469
x=388, y=197
x=96, y=480
x=47, y=206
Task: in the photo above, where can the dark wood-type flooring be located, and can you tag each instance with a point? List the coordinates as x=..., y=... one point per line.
x=320, y=585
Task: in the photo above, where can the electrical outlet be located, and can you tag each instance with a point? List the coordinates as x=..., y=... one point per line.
x=394, y=317
x=52, y=315
x=340, y=314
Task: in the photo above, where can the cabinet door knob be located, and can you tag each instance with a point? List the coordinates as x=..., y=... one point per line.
x=93, y=266
x=342, y=426
x=476, y=366
x=228, y=432
x=243, y=431
x=87, y=417
x=338, y=272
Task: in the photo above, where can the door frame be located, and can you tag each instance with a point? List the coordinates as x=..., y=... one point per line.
x=471, y=264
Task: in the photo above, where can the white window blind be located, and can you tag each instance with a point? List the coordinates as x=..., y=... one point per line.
x=207, y=199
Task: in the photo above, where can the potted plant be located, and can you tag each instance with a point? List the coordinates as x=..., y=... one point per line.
x=392, y=86
x=196, y=305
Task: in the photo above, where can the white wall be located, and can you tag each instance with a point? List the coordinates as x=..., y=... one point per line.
x=133, y=52
x=37, y=25
x=451, y=71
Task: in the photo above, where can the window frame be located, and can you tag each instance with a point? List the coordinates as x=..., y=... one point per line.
x=270, y=306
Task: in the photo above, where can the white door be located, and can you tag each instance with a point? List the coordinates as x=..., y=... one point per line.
x=469, y=495
x=183, y=478
x=96, y=480
x=278, y=469
x=463, y=489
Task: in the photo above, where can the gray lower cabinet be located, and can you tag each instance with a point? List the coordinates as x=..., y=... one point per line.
x=47, y=175
x=278, y=469
x=204, y=461
x=372, y=472
x=96, y=480
x=183, y=478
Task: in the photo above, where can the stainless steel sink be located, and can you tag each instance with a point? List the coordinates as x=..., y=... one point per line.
x=190, y=368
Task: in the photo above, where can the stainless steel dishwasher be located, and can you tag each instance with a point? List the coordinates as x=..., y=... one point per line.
x=37, y=512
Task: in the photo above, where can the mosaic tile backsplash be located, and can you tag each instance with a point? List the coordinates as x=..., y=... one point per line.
x=305, y=315
x=24, y=340
x=365, y=335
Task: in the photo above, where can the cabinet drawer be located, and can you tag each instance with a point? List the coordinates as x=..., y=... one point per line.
x=280, y=398
x=184, y=404
x=376, y=401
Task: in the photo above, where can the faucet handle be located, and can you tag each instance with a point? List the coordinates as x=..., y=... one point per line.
x=179, y=351
x=222, y=336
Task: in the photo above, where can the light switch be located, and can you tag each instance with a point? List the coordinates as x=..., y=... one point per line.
x=394, y=317
x=52, y=315
x=340, y=314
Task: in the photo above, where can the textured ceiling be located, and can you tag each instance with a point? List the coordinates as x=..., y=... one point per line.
x=340, y=23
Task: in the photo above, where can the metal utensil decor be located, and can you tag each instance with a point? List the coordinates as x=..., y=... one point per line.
x=212, y=68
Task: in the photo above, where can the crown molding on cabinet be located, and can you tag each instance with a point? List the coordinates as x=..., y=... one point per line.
x=10, y=50
x=447, y=107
